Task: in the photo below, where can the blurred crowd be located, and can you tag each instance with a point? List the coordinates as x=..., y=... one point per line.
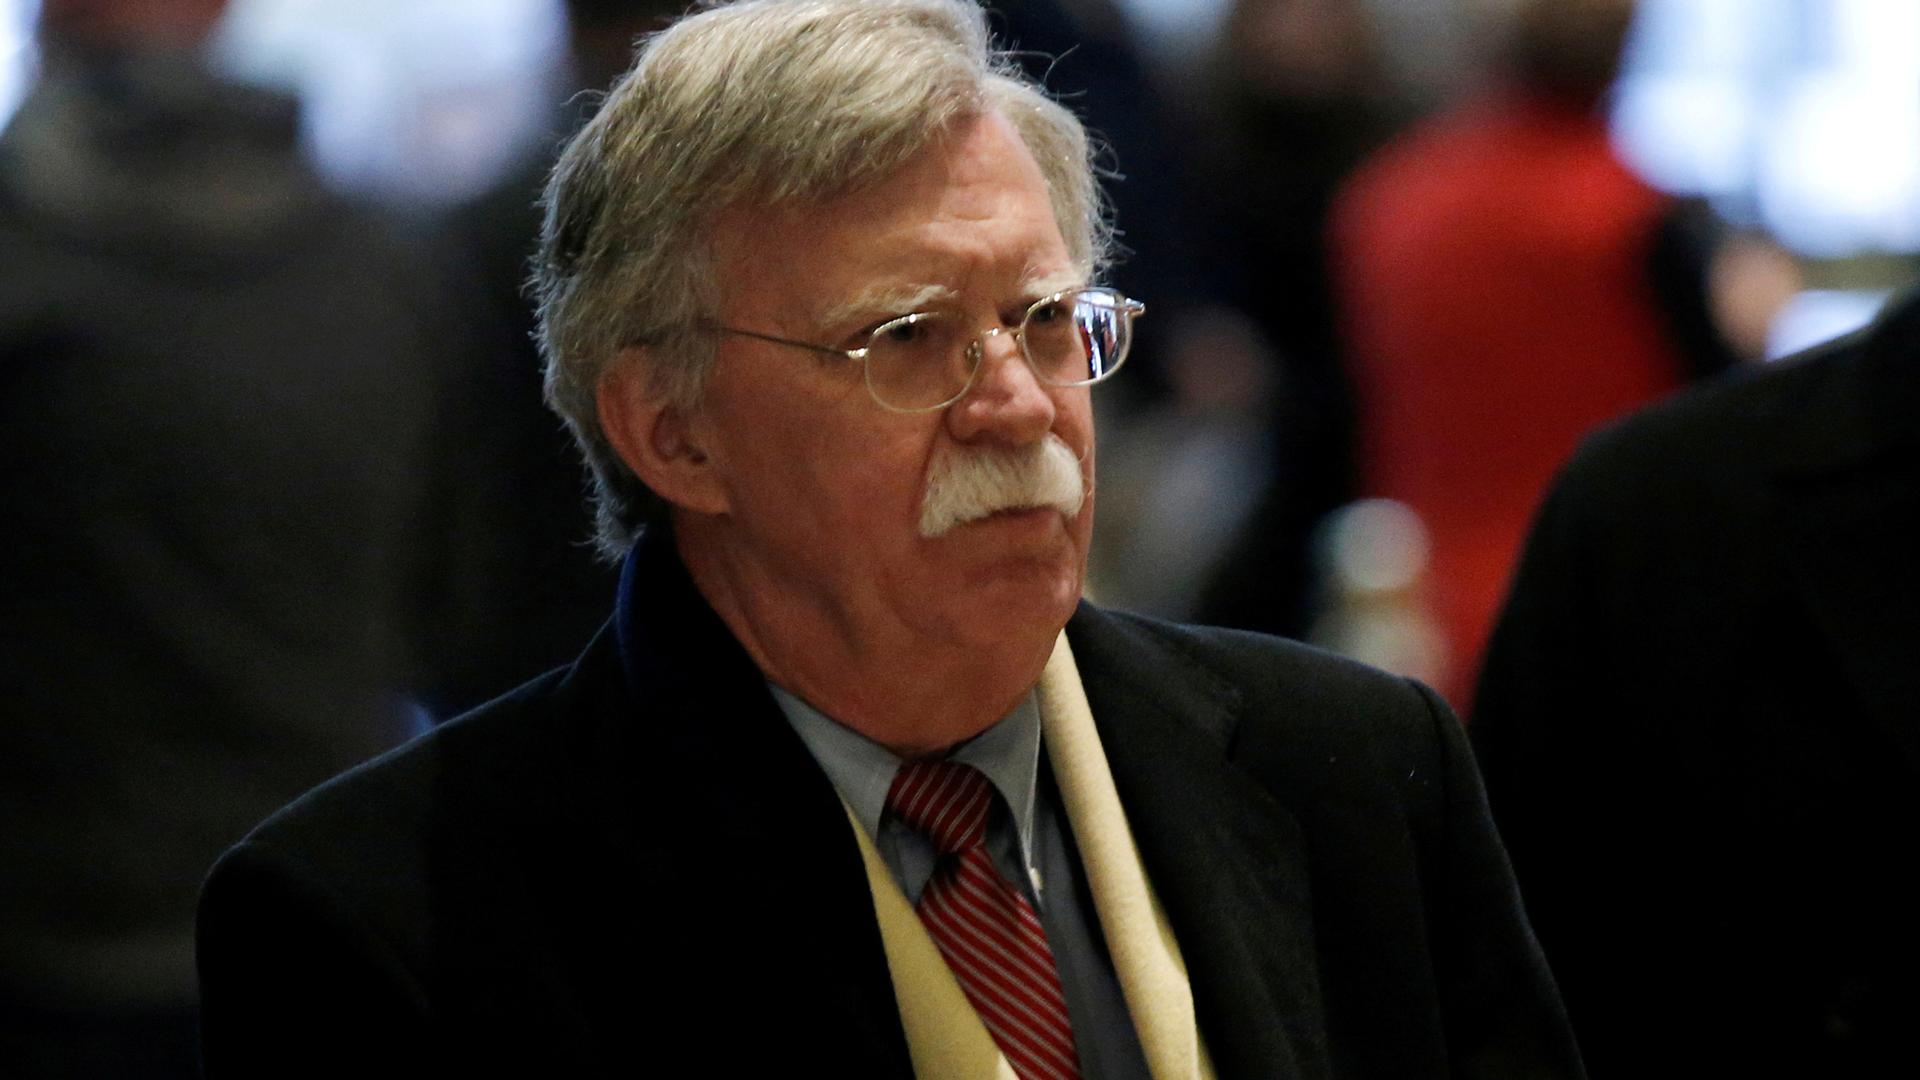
x=280, y=490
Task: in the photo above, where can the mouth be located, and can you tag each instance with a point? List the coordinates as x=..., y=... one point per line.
x=1020, y=517
x=1023, y=511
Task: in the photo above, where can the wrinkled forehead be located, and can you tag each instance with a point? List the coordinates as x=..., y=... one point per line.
x=1035, y=279
x=971, y=210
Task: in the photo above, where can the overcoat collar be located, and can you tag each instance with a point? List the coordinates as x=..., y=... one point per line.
x=1227, y=860
x=762, y=833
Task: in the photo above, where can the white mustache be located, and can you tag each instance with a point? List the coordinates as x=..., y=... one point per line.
x=970, y=484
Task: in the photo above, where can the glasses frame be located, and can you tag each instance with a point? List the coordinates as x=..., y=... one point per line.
x=1125, y=305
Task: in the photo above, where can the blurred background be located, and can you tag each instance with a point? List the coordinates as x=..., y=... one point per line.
x=1400, y=256
x=1796, y=116
x=1789, y=129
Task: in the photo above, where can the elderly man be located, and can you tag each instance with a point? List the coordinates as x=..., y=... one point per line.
x=834, y=791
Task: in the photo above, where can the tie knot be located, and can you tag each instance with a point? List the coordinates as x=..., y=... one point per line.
x=945, y=800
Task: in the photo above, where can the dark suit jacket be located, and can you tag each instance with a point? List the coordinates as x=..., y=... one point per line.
x=1699, y=723
x=636, y=857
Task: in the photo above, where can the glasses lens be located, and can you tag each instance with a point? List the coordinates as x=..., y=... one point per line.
x=918, y=361
x=1078, y=337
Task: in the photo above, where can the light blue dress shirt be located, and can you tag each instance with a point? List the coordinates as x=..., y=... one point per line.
x=1031, y=844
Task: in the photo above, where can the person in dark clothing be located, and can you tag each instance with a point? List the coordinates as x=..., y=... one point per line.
x=228, y=565
x=546, y=590
x=1698, y=728
x=1299, y=100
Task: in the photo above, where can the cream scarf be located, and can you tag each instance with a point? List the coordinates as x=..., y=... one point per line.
x=944, y=1035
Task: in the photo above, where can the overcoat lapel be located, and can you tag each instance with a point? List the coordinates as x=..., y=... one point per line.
x=765, y=845
x=1226, y=859
x=1847, y=474
x=757, y=828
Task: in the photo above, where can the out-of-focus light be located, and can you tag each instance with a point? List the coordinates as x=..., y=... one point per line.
x=1834, y=176
x=1722, y=39
x=1686, y=134
x=1376, y=553
x=1799, y=115
x=17, y=56
x=426, y=100
x=1376, y=545
x=1818, y=315
x=1182, y=27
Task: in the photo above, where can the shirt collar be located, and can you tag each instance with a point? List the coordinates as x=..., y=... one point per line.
x=1008, y=754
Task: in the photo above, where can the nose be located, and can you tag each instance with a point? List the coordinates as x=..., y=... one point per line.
x=1007, y=402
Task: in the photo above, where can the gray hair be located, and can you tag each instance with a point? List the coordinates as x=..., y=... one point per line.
x=773, y=102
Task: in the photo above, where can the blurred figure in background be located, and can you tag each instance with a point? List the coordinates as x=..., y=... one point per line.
x=1507, y=283
x=546, y=590
x=1299, y=96
x=1698, y=725
x=1085, y=52
x=228, y=532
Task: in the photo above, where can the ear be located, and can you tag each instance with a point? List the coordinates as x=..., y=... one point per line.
x=659, y=441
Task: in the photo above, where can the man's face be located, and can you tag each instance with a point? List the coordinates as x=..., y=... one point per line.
x=823, y=487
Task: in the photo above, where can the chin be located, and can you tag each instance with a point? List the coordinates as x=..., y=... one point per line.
x=1023, y=591
x=1017, y=567
x=1011, y=610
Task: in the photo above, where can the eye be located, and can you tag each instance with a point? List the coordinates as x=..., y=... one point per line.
x=910, y=330
x=1049, y=311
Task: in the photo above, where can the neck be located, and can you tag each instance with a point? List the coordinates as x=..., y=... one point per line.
x=915, y=694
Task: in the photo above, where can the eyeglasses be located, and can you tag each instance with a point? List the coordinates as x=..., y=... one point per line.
x=927, y=360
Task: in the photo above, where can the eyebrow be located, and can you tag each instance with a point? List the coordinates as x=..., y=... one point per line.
x=1056, y=281
x=906, y=298
x=897, y=299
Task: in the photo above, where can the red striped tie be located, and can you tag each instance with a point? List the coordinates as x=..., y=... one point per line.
x=983, y=924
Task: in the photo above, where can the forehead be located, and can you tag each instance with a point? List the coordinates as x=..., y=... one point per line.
x=970, y=213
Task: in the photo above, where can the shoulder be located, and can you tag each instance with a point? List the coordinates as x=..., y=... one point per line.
x=474, y=793
x=1256, y=666
x=1708, y=436
x=1292, y=715
x=1299, y=811
x=398, y=896
x=1240, y=664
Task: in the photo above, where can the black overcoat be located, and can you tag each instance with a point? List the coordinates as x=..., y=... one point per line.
x=636, y=860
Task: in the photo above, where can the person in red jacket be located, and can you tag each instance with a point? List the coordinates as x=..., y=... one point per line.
x=1497, y=269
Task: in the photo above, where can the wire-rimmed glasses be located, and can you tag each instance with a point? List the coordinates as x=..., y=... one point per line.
x=927, y=360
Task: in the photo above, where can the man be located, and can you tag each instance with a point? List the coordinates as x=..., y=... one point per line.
x=816, y=277
x=226, y=401
x=1698, y=722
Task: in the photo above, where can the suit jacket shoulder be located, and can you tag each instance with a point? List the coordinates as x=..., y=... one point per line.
x=1848, y=403
x=551, y=885
x=364, y=906
x=1280, y=711
x=1318, y=834
x=1704, y=440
